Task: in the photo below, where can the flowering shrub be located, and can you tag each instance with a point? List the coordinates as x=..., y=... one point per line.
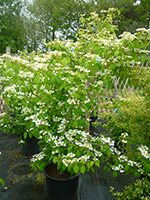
x=53, y=94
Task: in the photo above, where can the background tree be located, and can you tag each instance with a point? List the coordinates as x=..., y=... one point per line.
x=57, y=18
x=131, y=16
x=11, y=26
x=143, y=13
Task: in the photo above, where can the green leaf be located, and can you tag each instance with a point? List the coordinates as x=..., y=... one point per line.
x=9, y=64
x=97, y=163
x=37, y=78
x=2, y=182
x=82, y=169
x=16, y=68
x=105, y=168
x=126, y=168
x=46, y=79
x=59, y=164
x=108, y=169
x=147, y=168
x=88, y=165
x=64, y=62
x=93, y=60
x=71, y=79
x=91, y=163
x=83, y=76
x=55, y=159
x=116, y=53
x=112, y=66
x=109, y=86
x=36, y=132
x=77, y=95
x=108, y=153
x=25, y=135
x=76, y=169
x=69, y=149
x=86, y=64
x=93, y=169
x=114, y=174
x=124, y=71
x=143, y=58
x=136, y=174
x=78, y=153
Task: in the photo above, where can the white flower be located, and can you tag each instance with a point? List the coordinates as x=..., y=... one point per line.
x=54, y=152
x=56, y=119
x=71, y=155
x=118, y=168
x=38, y=156
x=124, y=134
x=143, y=30
x=128, y=36
x=66, y=162
x=21, y=142
x=123, y=158
x=144, y=151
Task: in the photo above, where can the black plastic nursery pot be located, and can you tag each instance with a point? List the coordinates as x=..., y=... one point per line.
x=30, y=147
x=62, y=189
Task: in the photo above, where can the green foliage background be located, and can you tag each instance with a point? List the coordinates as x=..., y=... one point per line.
x=24, y=25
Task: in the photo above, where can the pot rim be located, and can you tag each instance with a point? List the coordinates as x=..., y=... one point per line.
x=58, y=179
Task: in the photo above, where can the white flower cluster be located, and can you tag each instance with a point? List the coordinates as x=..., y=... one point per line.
x=38, y=156
x=73, y=101
x=143, y=30
x=23, y=74
x=11, y=89
x=21, y=142
x=86, y=145
x=57, y=119
x=2, y=79
x=62, y=125
x=82, y=69
x=144, y=151
x=70, y=159
x=124, y=141
x=124, y=134
x=97, y=153
x=123, y=158
x=115, y=151
x=26, y=110
x=119, y=168
x=36, y=66
x=48, y=92
x=107, y=140
x=61, y=128
x=37, y=120
x=55, y=152
x=128, y=36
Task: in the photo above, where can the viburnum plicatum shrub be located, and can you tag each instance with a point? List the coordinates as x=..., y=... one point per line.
x=55, y=92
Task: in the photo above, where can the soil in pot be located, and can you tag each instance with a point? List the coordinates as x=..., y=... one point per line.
x=51, y=170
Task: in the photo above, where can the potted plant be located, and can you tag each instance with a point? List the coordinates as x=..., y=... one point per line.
x=61, y=88
x=13, y=119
